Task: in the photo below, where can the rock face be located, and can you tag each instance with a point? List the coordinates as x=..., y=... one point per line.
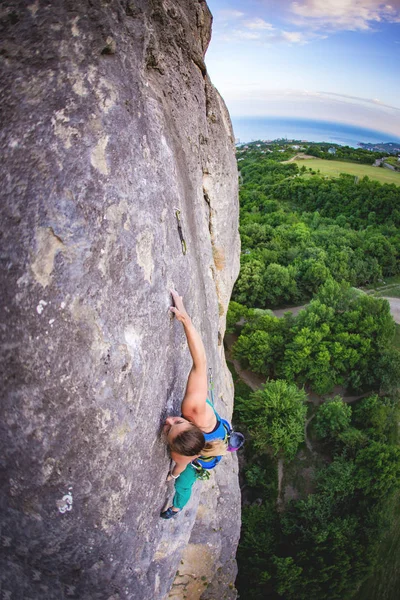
x=110, y=123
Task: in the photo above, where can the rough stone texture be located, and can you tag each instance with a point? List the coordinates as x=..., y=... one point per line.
x=109, y=122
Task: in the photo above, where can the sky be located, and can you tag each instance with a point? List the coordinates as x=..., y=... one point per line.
x=332, y=60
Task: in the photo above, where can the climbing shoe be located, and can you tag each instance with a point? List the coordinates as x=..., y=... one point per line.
x=169, y=513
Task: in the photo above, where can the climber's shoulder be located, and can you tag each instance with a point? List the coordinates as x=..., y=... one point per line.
x=200, y=413
x=194, y=402
x=194, y=406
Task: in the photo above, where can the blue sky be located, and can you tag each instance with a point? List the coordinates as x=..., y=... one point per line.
x=332, y=60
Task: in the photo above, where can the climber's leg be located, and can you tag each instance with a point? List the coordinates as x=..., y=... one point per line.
x=183, y=489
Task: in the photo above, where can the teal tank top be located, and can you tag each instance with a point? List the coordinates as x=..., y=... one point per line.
x=220, y=432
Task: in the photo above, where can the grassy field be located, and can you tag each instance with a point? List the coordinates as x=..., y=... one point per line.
x=390, y=287
x=392, y=292
x=389, y=281
x=333, y=168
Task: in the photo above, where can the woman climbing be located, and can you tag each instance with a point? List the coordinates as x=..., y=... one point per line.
x=199, y=438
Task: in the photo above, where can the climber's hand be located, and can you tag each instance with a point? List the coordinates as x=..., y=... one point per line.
x=169, y=477
x=179, y=310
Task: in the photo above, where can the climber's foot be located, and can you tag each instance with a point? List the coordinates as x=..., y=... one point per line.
x=169, y=513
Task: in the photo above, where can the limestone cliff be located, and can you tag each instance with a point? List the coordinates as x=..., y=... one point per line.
x=110, y=122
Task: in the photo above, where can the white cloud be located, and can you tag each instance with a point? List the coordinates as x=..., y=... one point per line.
x=350, y=15
x=268, y=37
x=358, y=99
x=258, y=24
x=294, y=37
x=246, y=35
x=230, y=14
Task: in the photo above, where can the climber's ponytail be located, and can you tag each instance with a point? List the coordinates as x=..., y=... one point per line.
x=214, y=448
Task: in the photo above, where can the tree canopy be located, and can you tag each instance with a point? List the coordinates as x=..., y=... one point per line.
x=276, y=417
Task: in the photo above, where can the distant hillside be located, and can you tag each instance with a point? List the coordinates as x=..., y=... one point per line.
x=389, y=147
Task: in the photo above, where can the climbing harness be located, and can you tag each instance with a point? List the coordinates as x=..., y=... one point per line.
x=201, y=473
x=178, y=218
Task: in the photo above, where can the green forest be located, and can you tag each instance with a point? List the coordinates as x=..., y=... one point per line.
x=357, y=155
x=320, y=474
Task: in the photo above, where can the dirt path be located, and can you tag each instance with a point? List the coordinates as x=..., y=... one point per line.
x=300, y=156
x=292, y=309
x=338, y=390
x=253, y=380
x=350, y=399
x=306, y=438
x=380, y=289
x=394, y=307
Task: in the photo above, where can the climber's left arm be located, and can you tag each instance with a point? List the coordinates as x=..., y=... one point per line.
x=194, y=402
x=181, y=462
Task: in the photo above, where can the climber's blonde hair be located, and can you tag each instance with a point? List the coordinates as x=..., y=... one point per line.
x=214, y=448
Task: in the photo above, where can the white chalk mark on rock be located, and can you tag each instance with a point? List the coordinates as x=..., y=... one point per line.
x=74, y=28
x=133, y=341
x=40, y=306
x=48, y=244
x=62, y=129
x=33, y=8
x=98, y=157
x=144, y=253
x=65, y=504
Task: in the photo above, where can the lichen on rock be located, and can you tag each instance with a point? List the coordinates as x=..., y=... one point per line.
x=110, y=123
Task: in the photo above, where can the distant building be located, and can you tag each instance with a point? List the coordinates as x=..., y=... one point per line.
x=332, y=151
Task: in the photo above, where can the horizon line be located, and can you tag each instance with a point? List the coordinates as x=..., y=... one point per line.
x=396, y=138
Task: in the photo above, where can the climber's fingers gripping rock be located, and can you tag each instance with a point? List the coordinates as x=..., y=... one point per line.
x=179, y=309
